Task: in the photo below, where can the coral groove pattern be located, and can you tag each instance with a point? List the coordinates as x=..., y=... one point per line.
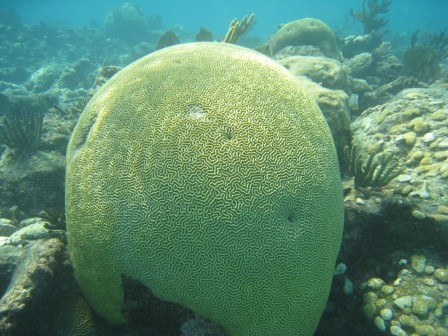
x=205, y=172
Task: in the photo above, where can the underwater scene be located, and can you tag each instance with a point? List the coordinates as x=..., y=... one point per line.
x=223, y=168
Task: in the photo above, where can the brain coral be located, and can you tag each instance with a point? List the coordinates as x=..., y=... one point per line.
x=203, y=171
x=306, y=31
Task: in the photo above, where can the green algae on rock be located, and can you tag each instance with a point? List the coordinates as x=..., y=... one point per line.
x=206, y=173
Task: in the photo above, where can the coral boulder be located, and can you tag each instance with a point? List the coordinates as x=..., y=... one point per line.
x=306, y=32
x=206, y=173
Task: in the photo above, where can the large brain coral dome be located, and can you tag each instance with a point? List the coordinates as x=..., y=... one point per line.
x=204, y=171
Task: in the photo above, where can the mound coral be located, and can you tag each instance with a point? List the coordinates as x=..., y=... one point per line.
x=205, y=172
x=305, y=32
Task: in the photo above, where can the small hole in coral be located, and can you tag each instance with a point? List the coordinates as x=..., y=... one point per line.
x=291, y=218
x=227, y=132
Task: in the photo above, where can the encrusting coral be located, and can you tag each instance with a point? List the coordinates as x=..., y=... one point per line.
x=205, y=172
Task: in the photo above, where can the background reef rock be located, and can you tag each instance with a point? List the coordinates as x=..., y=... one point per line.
x=43, y=78
x=413, y=126
x=387, y=67
x=325, y=71
x=326, y=79
x=358, y=44
x=360, y=65
x=129, y=24
x=9, y=258
x=32, y=183
x=32, y=283
x=39, y=295
x=387, y=91
x=306, y=50
x=335, y=108
x=34, y=180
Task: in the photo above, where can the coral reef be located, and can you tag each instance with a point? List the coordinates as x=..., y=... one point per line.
x=305, y=32
x=438, y=41
x=33, y=180
x=32, y=183
x=394, y=242
x=378, y=66
x=386, y=65
x=360, y=64
x=53, y=46
x=251, y=182
x=30, y=176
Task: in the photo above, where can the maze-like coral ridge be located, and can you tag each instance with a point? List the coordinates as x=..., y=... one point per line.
x=203, y=171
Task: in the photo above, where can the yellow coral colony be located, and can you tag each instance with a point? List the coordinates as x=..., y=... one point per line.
x=205, y=172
